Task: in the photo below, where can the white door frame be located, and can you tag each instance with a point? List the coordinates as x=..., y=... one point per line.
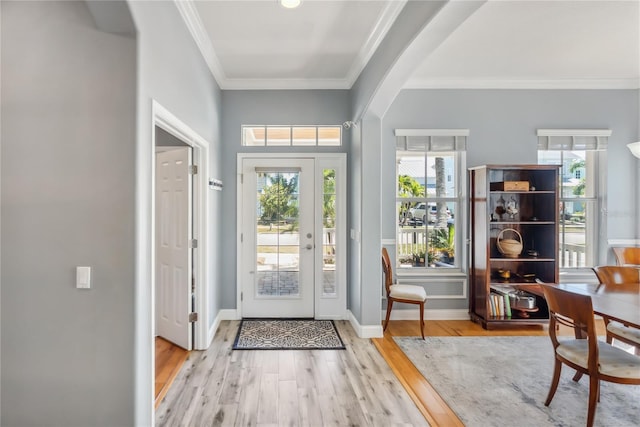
x=144, y=358
x=164, y=119
x=335, y=307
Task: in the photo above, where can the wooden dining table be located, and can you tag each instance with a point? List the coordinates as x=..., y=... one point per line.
x=620, y=302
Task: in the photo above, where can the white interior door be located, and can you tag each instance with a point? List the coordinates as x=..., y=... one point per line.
x=278, y=241
x=173, y=253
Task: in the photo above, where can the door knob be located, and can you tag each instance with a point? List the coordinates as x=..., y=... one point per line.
x=309, y=246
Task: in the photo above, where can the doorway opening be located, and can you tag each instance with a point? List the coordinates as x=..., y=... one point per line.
x=292, y=236
x=179, y=271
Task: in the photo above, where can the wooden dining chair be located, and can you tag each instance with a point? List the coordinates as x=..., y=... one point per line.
x=627, y=256
x=410, y=294
x=599, y=360
x=616, y=275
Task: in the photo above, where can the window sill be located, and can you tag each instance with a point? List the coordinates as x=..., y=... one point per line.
x=414, y=273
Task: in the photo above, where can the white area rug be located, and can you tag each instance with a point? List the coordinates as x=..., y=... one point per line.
x=498, y=381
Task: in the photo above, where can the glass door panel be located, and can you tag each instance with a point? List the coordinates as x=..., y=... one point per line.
x=278, y=234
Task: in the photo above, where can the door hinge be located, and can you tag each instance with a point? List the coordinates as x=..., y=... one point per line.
x=193, y=169
x=193, y=317
x=241, y=178
x=241, y=237
x=193, y=243
x=241, y=296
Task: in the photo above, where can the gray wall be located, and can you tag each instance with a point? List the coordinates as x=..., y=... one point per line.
x=68, y=188
x=503, y=126
x=77, y=155
x=172, y=71
x=288, y=107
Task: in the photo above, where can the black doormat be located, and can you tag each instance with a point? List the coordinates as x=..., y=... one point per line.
x=287, y=334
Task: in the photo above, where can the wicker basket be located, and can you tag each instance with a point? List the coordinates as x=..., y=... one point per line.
x=510, y=248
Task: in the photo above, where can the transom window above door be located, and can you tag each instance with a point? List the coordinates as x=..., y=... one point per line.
x=292, y=136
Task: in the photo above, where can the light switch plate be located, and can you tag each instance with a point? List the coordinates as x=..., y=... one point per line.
x=83, y=277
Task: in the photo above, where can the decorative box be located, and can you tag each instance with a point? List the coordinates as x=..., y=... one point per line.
x=510, y=186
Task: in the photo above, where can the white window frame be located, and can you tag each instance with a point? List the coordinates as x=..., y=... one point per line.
x=434, y=141
x=290, y=143
x=594, y=142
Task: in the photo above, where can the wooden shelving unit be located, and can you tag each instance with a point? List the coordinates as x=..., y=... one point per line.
x=535, y=218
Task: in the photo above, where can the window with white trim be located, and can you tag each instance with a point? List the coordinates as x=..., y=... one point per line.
x=430, y=173
x=296, y=136
x=582, y=156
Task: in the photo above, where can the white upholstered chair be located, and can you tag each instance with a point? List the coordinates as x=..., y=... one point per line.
x=410, y=294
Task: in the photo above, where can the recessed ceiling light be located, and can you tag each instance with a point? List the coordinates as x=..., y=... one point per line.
x=290, y=4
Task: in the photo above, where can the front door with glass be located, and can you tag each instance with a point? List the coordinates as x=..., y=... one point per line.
x=278, y=238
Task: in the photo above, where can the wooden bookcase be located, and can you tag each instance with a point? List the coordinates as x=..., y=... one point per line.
x=533, y=191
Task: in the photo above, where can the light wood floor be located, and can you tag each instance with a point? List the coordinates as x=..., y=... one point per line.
x=221, y=386
x=362, y=385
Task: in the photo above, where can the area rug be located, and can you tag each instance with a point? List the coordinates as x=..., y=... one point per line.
x=287, y=334
x=498, y=381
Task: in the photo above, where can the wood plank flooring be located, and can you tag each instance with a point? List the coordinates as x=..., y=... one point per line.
x=221, y=386
x=371, y=383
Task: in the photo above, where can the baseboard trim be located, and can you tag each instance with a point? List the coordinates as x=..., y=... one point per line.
x=445, y=314
x=364, y=331
x=227, y=314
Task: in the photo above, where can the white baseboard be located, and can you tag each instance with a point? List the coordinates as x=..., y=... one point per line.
x=375, y=331
x=364, y=331
x=227, y=314
x=448, y=314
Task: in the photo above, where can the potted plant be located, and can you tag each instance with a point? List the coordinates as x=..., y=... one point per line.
x=442, y=242
x=419, y=259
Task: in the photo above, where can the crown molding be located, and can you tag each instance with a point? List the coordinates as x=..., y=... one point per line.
x=284, y=84
x=418, y=83
x=191, y=18
x=384, y=23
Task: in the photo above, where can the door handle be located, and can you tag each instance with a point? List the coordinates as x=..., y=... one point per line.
x=309, y=246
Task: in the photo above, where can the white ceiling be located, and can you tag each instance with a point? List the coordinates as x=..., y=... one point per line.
x=325, y=44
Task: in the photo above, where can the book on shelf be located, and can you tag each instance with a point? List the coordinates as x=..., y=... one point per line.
x=499, y=305
x=492, y=304
x=507, y=305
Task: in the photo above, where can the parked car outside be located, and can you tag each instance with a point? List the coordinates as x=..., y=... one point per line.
x=426, y=211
